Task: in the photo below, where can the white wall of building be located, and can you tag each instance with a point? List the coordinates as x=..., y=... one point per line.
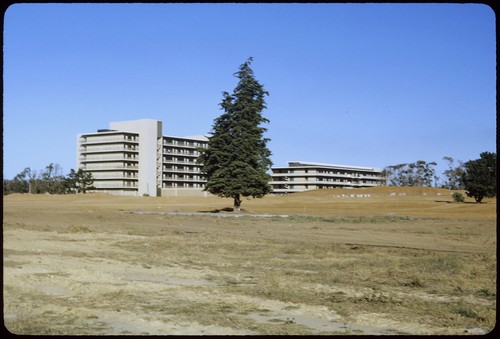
x=149, y=131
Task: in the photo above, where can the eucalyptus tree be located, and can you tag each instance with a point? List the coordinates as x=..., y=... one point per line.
x=419, y=173
x=453, y=174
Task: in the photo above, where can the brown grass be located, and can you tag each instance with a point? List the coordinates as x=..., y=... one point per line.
x=407, y=261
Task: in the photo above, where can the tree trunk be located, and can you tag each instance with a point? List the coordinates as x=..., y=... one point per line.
x=237, y=202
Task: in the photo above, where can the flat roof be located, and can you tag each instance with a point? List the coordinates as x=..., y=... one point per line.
x=193, y=137
x=101, y=132
x=292, y=164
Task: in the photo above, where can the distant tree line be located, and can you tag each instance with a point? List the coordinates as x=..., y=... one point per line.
x=419, y=173
x=477, y=177
x=422, y=173
x=50, y=180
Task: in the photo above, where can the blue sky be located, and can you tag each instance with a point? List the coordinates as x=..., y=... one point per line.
x=354, y=84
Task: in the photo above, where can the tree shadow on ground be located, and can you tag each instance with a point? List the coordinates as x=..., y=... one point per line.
x=225, y=209
x=464, y=202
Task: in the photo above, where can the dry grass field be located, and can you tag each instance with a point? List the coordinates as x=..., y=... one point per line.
x=344, y=262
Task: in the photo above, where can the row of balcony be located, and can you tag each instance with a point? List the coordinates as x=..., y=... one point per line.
x=109, y=139
x=99, y=176
x=324, y=183
x=108, y=149
x=184, y=185
x=187, y=144
x=184, y=162
x=181, y=152
x=173, y=179
x=324, y=175
x=123, y=157
x=116, y=185
x=109, y=167
x=194, y=170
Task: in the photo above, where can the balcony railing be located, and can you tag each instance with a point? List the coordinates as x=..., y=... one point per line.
x=184, y=144
x=103, y=176
x=107, y=158
x=181, y=171
x=103, y=140
x=180, y=162
x=183, y=154
x=183, y=179
x=118, y=148
x=107, y=185
x=109, y=167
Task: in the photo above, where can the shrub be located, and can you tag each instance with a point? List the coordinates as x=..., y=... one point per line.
x=458, y=197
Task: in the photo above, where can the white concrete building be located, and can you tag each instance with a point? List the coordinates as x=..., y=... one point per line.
x=134, y=158
x=180, y=173
x=301, y=176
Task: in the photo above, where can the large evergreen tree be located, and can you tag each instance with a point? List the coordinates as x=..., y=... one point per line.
x=237, y=158
x=480, y=177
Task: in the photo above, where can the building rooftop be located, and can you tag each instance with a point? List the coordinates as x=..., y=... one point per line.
x=196, y=137
x=320, y=164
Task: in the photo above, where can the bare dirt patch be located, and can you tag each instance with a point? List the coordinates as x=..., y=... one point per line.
x=379, y=261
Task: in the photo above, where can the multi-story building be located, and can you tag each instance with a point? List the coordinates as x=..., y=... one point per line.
x=134, y=158
x=302, y=176
x=180, y=173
